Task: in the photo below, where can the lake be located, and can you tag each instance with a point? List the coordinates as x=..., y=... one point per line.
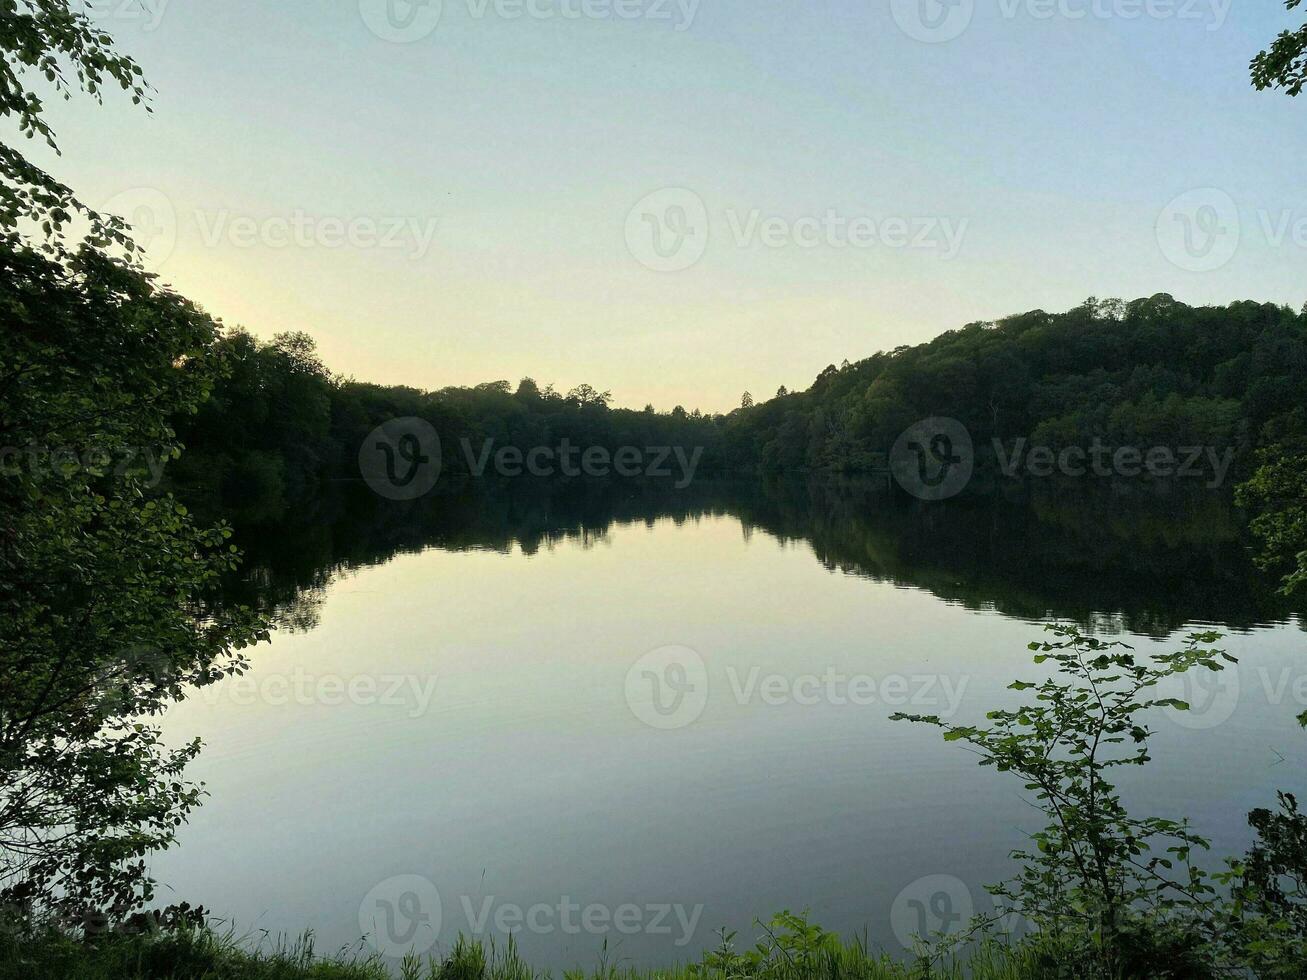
x=609, y=719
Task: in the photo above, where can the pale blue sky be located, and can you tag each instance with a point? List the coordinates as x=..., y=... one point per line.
x=1049, y=144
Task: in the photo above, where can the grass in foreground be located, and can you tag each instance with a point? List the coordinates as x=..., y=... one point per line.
x=198, y=954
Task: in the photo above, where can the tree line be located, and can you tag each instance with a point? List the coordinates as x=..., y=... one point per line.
x=280, y=428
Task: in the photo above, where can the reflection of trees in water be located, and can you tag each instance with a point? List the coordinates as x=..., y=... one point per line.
x=1111, y=560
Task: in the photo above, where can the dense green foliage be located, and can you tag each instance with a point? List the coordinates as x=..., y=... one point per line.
x=49, y=41
x=105, y=586
x=1284, y=63
x=1153, y=372
x=109, y=604
x=280, y=429
x=1116, y=894
x=1150, y=372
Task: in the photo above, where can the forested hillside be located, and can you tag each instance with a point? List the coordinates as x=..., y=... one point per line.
x=1149, y=372
x=1152, y=372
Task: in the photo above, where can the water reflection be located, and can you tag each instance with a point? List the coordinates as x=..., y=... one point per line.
x=1115, y=559
x=513, y=764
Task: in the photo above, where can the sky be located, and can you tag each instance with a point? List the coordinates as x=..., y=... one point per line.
x=680, y=200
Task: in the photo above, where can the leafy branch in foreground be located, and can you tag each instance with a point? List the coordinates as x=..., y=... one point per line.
x=108, y=609
x=1120, y=889
x=49, y=40
x=1284, y=63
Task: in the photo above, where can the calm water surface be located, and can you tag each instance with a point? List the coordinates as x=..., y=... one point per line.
x=453, y=728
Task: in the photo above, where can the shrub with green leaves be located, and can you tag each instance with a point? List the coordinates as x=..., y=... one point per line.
x=107, y=587
x=1121, y=889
